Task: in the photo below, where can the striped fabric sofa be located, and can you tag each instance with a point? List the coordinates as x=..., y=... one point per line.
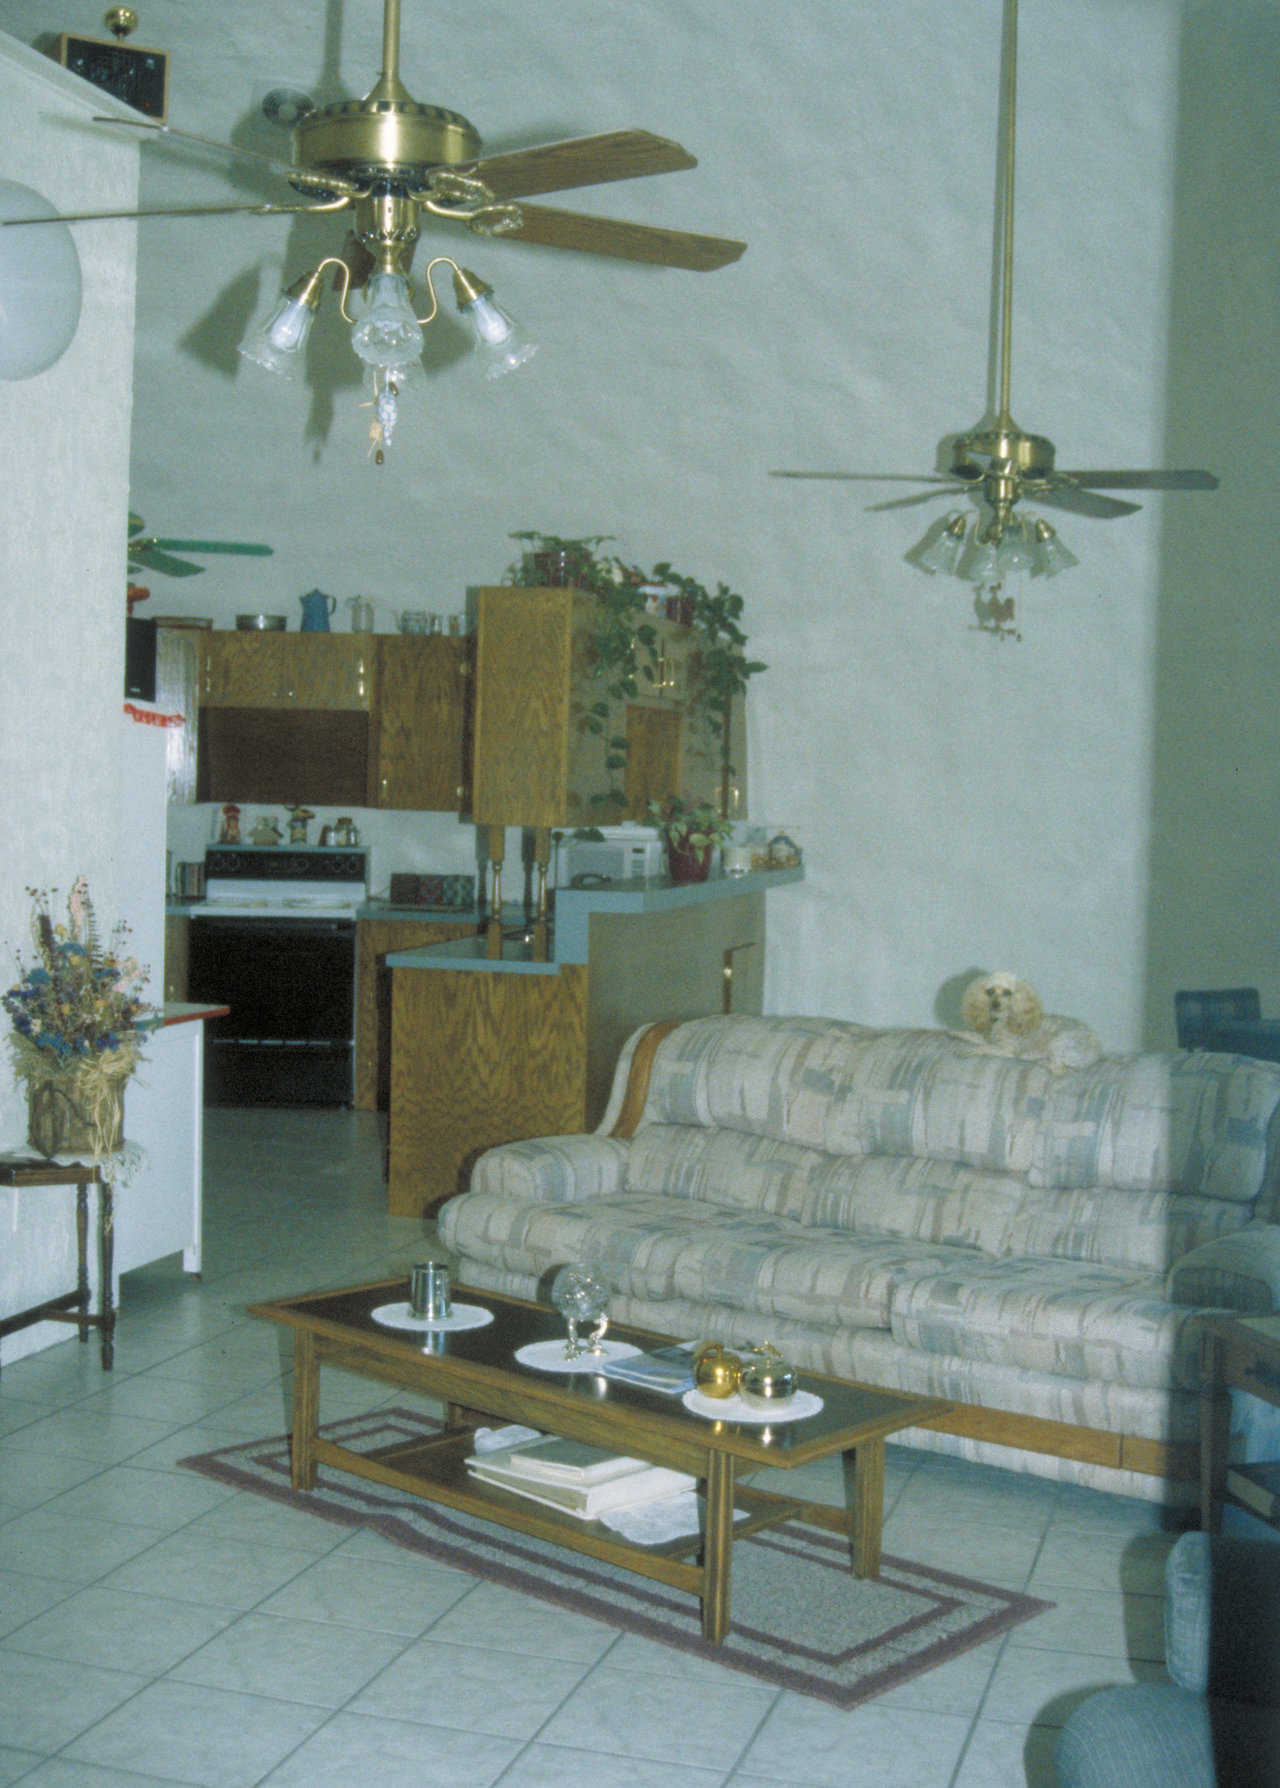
x=907, y=1208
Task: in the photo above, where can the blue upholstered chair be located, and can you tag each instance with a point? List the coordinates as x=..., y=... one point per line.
x=1198, y=1013
x=1217, y=1723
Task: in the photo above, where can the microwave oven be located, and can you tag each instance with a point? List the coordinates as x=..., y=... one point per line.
x=619, y=854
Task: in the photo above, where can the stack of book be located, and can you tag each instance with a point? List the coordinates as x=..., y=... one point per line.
x=576, y=1478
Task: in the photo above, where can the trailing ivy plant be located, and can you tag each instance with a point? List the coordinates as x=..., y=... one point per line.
x=625, y=642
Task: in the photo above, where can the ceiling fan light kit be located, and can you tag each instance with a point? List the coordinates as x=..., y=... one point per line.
x=388, y=160
x=997, y=463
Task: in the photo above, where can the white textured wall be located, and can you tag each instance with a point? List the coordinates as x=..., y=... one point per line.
x=965, y=801
x=66, y=435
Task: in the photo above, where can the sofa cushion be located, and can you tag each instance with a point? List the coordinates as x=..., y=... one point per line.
x=1143, y=1230
x=1187, y=1122
x=889, y=1195
x=658, y=1248
x=851, y=1090
x=1067, y=1317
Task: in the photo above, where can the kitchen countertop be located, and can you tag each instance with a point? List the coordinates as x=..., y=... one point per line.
x=573, y=910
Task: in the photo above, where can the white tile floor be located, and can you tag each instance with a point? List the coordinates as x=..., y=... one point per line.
x=158, y=1628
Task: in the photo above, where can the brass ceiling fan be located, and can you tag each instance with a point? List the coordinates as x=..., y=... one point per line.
x=1000, y=462
x=388, y=161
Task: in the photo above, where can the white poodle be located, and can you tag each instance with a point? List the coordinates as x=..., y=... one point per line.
x=1005, y=1014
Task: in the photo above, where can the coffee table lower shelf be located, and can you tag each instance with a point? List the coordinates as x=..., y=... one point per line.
x=435, y=1469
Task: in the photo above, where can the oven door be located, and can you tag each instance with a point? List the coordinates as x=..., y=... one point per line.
x=288, y=1038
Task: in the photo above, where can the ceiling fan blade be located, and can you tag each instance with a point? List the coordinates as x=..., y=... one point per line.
x=870, y=477
x=581, y=161
x=1159, y=480
x=186, y=136
x=177, y=211
x=216, y=546
x=148, y=556
x=1061, y=495
x=629, y=241
x=924, y=496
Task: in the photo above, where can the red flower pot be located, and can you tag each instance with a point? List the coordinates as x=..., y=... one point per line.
x=688, y=862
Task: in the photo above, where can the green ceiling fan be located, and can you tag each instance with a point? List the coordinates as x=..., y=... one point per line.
x=150, y=552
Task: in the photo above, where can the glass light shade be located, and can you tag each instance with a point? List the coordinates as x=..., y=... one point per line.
x=980, y=563
x=1050, y=555
x=387, y=333
x=502, y=343
x=942, y=551
x=1015, y=552
x=39, y=286
x=277, y=346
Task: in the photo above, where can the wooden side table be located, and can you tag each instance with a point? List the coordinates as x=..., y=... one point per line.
x=1236, y=1353
x=32, y=1172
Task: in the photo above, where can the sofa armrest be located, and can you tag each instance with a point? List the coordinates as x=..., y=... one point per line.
x=1240, y=1271
x=552, y=1169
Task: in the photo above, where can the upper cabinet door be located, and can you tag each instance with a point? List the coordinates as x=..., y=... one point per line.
x=421, y=719
x=288, y=670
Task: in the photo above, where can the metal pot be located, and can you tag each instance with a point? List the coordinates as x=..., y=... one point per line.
x=716, y=1370
x=767, y=1380
x=260, y=623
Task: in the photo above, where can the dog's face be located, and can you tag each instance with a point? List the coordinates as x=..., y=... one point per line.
x=1000, y=1003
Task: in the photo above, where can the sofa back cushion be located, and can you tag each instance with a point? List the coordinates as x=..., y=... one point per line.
x=847, y=1089
x=1191, y=1121
x=1147, y=1231
x=904, y=1196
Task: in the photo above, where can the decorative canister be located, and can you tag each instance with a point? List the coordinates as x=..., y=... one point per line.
x=716, y=1370
x=767, y=1380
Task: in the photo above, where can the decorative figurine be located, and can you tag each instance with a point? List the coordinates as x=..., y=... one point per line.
x=581, y=1297
x=265, y=831
x=230, y=833
x=298, y=817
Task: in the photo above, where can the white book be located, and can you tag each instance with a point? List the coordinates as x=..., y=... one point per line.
x=550, y=1459
x=646, y=1483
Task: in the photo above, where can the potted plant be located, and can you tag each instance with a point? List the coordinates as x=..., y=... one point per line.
x=78, y=1018
x=554, y=560
x=692, y=829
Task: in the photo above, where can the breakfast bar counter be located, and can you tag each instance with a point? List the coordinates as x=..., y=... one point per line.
x=492, y=1048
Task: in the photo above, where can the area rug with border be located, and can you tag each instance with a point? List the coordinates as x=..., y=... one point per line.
x=800, y=1620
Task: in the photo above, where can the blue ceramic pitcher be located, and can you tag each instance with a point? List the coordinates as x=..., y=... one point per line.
x=316, y=609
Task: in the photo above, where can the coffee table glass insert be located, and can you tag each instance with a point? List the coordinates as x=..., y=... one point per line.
x=475, y=1375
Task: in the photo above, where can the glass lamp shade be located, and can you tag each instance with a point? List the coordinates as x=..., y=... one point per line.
x=1049, y=555
x=980, y=563
x=277, y=346
x=502, y=345
x=39, y=286
x=941, y=548
x=388, y=333
x=1015, y=552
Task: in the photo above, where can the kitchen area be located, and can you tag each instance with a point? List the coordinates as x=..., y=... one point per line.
x=386, y=860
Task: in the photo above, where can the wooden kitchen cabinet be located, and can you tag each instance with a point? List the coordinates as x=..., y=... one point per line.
x=334, y=720
x=420, y=722
x=485, y=1053
x=326, y=671
x=538, y=758
x=374, y=939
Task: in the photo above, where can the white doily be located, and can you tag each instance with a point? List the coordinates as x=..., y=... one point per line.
x=462, y=1316
x=548, y=1356
x=733, y=1409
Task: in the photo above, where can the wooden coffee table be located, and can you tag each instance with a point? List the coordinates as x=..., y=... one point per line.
x=475, y=1374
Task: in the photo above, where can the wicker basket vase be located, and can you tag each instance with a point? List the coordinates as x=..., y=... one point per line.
x=76, y=1113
